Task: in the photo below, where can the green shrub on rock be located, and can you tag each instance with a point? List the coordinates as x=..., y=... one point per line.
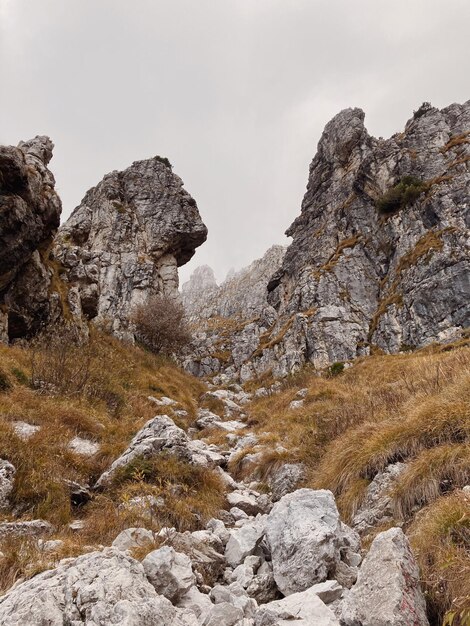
x=401, y=195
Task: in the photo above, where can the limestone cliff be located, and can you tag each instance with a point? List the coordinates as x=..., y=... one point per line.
x=380, y=253
x=126, y=239
x=242, y=293
x=29, y=216
x=227, y=318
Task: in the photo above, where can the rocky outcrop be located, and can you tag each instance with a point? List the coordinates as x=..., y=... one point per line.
x=124, y=242
x=29, y=217
x=380, y=254
x=161, y=435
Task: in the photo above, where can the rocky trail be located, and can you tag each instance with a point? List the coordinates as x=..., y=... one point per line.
x=280, y=557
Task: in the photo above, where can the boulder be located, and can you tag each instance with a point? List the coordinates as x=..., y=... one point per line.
x=159, y=434
x=124, y=243
x=170, y=572
x=285, y=479
x=99, y=588
x=302, y=609
x=244, y=541
x=387, y=590
x=303, y=531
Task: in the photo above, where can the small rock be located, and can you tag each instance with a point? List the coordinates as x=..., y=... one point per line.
x=163, y=401
x=133, y=538
x=85, y=447
x=30, y=528
x=245, y=502
x=7, y=479
x=24, y=430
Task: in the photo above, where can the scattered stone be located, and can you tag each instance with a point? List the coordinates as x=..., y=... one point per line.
x=84, y=447
x=296, y=404
x=51, y=545
x=133, y=538
x=30, y=528
x=387, y=586
x=25, y=430
x=163, y=401
x=105, y=587
x=7, y=479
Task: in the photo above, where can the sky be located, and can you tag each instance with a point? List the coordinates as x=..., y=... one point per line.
x=235, y=93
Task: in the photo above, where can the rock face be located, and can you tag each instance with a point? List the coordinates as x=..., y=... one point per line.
x=355, y=278
x=29, y=217
x=125, y=241
x=387, y=586
x=242, y=293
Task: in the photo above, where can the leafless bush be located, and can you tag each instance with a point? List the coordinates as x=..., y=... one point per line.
x=160, y=326
x=61, y=361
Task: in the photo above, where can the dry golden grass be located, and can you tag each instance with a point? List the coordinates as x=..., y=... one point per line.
x=382, y=409
x=109, y=409
x=430, y=475
x=412, y=407
x=440, y=537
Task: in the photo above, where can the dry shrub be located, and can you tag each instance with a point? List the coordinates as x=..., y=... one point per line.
x=61, y=361
x=440, y=537
x=161, y=326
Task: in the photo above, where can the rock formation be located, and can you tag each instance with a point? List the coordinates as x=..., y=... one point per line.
x=125, y=241
x=242, y=294
x=29, y=217
x=380, y=254
x=122, y=244
x=227, y=318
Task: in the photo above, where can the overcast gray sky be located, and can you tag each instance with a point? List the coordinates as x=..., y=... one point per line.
x=234, y=92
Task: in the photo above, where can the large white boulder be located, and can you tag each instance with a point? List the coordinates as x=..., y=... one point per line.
x=304, y=533
x=170, y=572
x=302, y=609
x=99, y=588
x=244, y=541
x=387, y=591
